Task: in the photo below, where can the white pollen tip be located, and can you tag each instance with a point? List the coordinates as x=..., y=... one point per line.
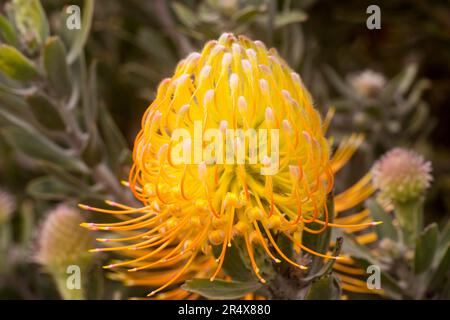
x=162, y=150
x=223, y=38
x=202, y=170
x=187, y=145
x=183, y=109
x=181, y=79
x=223, y=125
x=294, y=171
x=234, y=81
x=269, y=114
x=260, y=45
x=251, y=53
x=266, y=161
x=242, y=104
x=209, y=96
x=264, y=85
x=236, y=48
x=205, y=71
x=226, y=60
x=286, y=125
x=194, y=56
x=217, y=49
x=246, y=65
x=157, y=115
x=286, y=94
x=306, y=135
x=265, y=69
x=295, y=76
x=238, y=143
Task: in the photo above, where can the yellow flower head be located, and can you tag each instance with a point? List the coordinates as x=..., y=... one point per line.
x=230, y=147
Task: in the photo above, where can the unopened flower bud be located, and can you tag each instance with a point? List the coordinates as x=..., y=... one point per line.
x=63, y=244
x=368, y=83
x=402, y=175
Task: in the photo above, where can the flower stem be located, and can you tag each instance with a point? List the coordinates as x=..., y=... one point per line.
x=410, y=218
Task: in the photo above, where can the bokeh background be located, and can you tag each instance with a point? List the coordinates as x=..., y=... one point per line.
x=391, y=84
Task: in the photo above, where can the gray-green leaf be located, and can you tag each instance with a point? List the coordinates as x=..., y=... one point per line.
x=50, y=188
x=293, y=16
x=220, y=289
x=45, y=112
x=15, y=65
x=442, y=270
x=352, y=247
x=56, y=67
x=39, y=147
x=326, y=288
x=425, y=248
x=7, y=31
x=236, y=265
x=31, y=21
x=184, y=14
x=386, y=229
x=82, y=35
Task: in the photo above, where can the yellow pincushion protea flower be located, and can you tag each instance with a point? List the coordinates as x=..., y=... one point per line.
x=231, y=146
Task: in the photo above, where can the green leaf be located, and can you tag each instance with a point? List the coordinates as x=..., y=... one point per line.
x=92, y=153
x=90, y=98
x=38, y=147
x=7, y=31
x=220, y=289
x=406, y=78
x=114, y=141
x=82, y=34
x=56, y=67
x=184, y=14
x=285, y=245
x=246, y=14
x=418, y=119
x=327, y=268
x=414, y=97
x=352, y=247
x=340, y=85
x=425, y=248
x=95, y=286
x=236, y=263
x=50, y=188
x=31, y=21
x=321, y=242
x=442, y=270
x=292, y=16
x=45, y=112
x=444, y=242
x=326, y=288
x=63, y=175
x=15, y=65
x=386, y=229
x=15, y=110
x=27, y=222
